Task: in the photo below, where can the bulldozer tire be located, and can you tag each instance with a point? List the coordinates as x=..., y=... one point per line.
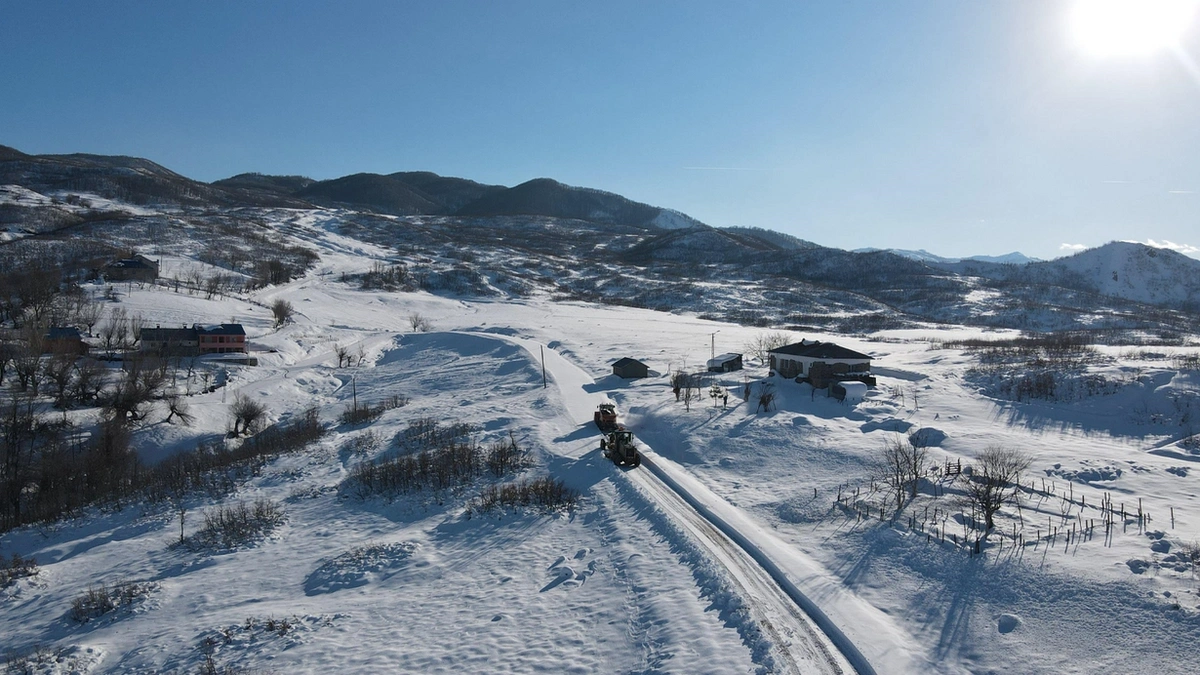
x=637, y=461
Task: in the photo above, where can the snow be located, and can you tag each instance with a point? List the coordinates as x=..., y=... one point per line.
x=630, y=581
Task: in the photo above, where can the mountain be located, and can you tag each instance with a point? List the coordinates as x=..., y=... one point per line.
x=468, y=238
x=1131, y=271
x=129, y=179
x=283, y=185
x=546, y=197
x=450, y=194
x=382, y=194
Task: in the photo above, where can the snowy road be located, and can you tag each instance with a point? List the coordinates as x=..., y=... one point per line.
x=801, y=646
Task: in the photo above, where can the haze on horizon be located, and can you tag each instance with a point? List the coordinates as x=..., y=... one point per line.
x=959, y=128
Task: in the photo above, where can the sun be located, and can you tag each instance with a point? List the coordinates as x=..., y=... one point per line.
x=1130, y=27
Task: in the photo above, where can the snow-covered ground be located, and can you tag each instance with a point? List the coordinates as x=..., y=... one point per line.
x=619, y=584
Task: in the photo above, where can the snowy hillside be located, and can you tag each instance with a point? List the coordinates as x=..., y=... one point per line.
x=1137, y=272
x=684, y=565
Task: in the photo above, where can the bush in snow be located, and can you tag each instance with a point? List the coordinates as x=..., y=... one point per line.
x=103, y=599
x=504, y=457
x=233, y=525
x=427, y=433
x=369, y=413
x=16, y=568
x=544, y=493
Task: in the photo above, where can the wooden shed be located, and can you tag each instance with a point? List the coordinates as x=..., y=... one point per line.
x=628, y=367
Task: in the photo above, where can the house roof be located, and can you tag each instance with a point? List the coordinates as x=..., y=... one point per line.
x=221, y=329
x=168, y=334
x=820, y=350
x=64, y=333
x=137, y=262
x=628, y=362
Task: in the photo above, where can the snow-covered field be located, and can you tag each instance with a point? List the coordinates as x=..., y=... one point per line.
x=622, y=583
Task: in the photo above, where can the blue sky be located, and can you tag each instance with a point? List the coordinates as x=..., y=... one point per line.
x=962, y=127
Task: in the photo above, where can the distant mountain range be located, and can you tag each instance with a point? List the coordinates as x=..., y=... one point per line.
x=588, y=244
x=1014, y=258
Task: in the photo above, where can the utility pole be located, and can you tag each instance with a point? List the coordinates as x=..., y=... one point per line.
x=542, y=350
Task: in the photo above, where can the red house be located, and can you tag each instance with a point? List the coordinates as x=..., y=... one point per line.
x=226, y=338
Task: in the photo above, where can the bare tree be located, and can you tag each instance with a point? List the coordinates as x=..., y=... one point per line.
x=58, y=370
x=689, y=395
x=89, y=380
x=247, y=414
x=283, y=311
x=419, y=323
x=679, y=380
x=766, y=396
x=89, y=313
x=27, y=360
x=760, y=346
x=113, y=332
x=8, y=352
x=994, y=481
x=900, y=466
x=177, y=407
x=142, y=382
x=343, y=355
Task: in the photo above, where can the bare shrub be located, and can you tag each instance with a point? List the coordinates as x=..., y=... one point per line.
x=419, y=323
x=454, y=465
x=542, y=493
x=426, y=433
x=15, y=568
x=103, y=599
x=505, y=456
x=370, y=413
x=237, y=524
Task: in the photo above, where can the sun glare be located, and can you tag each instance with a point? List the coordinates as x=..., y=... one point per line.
x=1130, y=27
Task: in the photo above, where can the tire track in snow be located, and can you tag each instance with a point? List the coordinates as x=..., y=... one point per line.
x=800, y=646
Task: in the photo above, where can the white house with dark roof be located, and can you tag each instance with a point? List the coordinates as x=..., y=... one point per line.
x=820, y=363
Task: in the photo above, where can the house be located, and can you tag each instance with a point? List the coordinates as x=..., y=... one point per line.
x=64, y=340
x=820, y=363
x=170, y=341
x=628, y=367
x=725, y=363
x=225, y=338
x=137, y=268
